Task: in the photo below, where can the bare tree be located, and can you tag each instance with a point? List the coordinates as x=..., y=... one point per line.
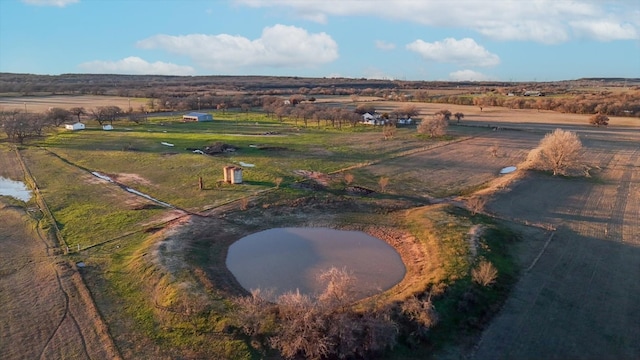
x=558, y=151
x=435, y=126
x=302, y=329
x=103, y=114
x=445, y=113
x=20, y=125
x=339, y=288
x=58, y=116
x=78, y=111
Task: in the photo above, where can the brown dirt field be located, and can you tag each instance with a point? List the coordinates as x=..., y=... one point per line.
x=47, y=312
x=451, y=168
x=43, y=103
x=578, y=298
x=496, y=116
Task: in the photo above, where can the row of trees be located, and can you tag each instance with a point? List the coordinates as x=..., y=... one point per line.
x=19, y=125
x=620, y=104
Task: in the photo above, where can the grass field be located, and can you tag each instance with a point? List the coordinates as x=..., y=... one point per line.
x=147, y=262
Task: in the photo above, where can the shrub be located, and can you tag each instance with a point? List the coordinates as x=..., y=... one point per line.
x=383, y=182
x=348, y=178
x=435, y=126
x=485, y=273
x=599, y=119
x=558, y=151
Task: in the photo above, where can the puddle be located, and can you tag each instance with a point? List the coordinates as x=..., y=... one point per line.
x=15, y=189
x=508, y=169
x=133, y=191
x=100, y=176
x=290, y=259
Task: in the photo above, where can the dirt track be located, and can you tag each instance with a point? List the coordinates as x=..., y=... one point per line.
x=579, y=300
x=47, y=312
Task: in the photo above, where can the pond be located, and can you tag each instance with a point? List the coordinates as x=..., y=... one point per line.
x=15, y=189
x=290, y=259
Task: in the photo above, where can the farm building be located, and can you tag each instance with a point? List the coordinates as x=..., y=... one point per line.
x=375, y=119
x=405, y=121
x=197, y=116
x=233, y=174
x=75, y=126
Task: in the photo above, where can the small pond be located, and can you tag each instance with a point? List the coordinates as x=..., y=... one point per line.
x=290, y=259
x=15, y=189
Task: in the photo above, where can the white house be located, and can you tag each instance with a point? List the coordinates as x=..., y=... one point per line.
x=76, y=126
x=373, y=119
x=406, y=121
x=197, y=116
x=107, y=127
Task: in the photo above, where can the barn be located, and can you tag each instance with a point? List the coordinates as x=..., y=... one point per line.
x=197, y=116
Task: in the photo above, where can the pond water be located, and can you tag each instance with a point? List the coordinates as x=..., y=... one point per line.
x=290, y=259
x=15, y=189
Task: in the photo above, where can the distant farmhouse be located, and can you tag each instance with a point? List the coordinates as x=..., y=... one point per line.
x=533, y=93
x=373, y=119
x=197, y=116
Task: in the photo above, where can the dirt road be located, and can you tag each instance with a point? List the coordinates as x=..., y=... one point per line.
x=580, y=299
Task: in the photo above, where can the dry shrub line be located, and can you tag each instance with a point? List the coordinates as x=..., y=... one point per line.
x=326, y=326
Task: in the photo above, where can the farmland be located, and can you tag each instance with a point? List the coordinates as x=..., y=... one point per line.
x=574, y=297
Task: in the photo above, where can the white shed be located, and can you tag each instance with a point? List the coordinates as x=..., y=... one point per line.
x=233, y=174
x=197, y=116
x=76, y=126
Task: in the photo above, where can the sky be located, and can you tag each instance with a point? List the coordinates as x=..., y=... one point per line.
x=459, y=40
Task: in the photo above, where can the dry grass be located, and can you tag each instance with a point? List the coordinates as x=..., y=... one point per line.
x=43, y=103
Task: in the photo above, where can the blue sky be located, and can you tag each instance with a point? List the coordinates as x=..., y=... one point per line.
x=507, y=40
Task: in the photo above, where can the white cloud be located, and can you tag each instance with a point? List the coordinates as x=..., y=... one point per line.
x=58, y=3
x=605, y=30
x=545, y=21
x=383, y=45
x=464, y=52
x=468, y=75
x=135, y=66
x=278, y=46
